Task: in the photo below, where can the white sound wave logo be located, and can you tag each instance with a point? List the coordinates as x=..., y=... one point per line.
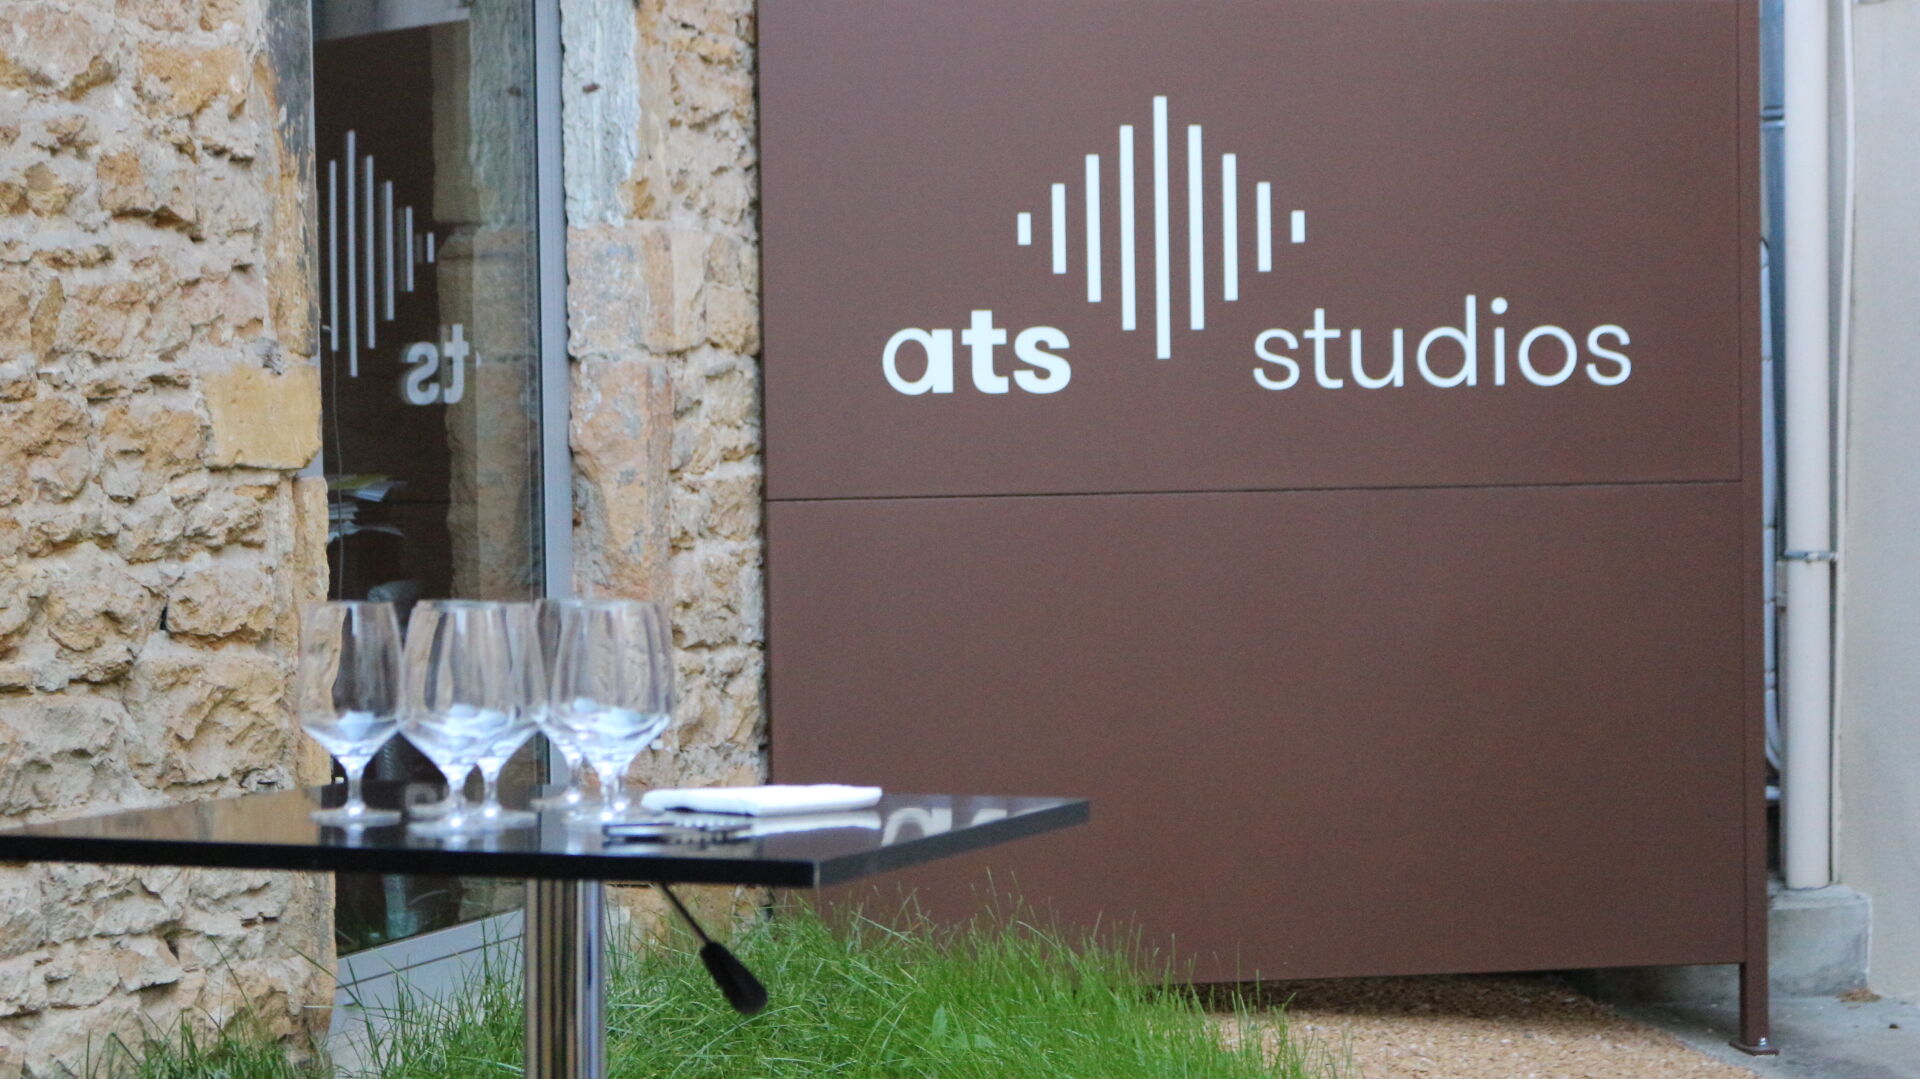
x=1060, y=220
x=381, y=252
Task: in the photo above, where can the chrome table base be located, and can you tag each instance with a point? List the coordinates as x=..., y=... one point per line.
x=566, y=979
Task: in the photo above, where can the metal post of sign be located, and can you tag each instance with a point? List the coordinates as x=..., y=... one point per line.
x=565, y=973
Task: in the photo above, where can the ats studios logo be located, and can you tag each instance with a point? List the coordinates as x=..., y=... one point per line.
x=1444, y=357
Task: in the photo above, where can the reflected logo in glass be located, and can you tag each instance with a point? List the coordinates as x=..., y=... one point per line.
x=372, y=250
x=429, y=380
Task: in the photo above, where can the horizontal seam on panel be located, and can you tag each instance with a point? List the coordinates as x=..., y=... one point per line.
x=1274, y=491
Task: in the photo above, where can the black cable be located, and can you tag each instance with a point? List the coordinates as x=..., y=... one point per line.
x=742, y=990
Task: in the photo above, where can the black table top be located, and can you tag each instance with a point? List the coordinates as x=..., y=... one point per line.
x=273, y=831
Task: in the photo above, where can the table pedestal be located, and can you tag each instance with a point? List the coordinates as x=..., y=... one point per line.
x=566, y=981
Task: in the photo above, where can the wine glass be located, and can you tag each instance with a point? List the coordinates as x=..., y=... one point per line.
x=547, y=621
x=612, y=687
x=348, y=694
x=459, y=694
x=526, y=685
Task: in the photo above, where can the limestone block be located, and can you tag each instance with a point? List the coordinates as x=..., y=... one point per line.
x=726, y=263
x=102, y=319
x=49, y=528
x=730, y=391
x=21, y=590
x=182, y=80
x=62, y=751
x=710, y=585
x=260, y=419
x=149, y=529
x=636, y=285
x=71, y=132
x=16, y=307
x=97, y=613
x=221, y=598
x=144, y=962
x=724, y=503
x=200, y=717
x=44, y=48
x=215, y=14
x=604, y=311
x=23, y=990
x=717, y=17
x=733, y=319
x=731, y=197
x=307, y=572
x=621, y=435
x=12, y=541
x=23, y=925
x=703, y=90
x=157, y=183
x=145, y=445
x=122, y=183
x=44, y=448
x=115, y=902
x=710, y=448
x=159, y=14
x=17, y=380
x=76, y=978
x=59, y=255
x=601, y=119
x=47, y=191
x=236, y=516
x=45, y=321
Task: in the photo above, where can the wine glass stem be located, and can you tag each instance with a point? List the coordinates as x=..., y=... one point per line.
x=612, y=796
x=491, y=778
x=355, y=769
x=456, y=794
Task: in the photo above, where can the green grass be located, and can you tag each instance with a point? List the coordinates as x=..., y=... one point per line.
x=1001, y=1001
x=237, y=1051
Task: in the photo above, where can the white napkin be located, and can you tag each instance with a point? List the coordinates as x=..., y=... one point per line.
x=763, y=801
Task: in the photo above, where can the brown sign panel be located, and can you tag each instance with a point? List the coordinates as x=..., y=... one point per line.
x=1438, y=243
x=1325, y=433
x=1325, y=733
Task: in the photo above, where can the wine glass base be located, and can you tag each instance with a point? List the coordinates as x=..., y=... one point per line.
x=446, y=827
x=599, y=814
x=504, y=818
x=344, y=817
x=430, y=810
x=584, y=813
x=558, y=801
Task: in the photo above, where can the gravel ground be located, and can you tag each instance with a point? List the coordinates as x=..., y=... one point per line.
x=1482, y=1027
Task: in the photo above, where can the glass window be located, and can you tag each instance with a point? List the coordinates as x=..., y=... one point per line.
x=425, y=169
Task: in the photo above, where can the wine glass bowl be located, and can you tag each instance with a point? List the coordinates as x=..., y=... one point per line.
x=526, y=677
x=459, y=695
x=612, y=687
x=545, y=617
x=347, y=694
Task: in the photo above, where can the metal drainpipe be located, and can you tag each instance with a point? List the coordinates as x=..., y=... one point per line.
x=1806, y=570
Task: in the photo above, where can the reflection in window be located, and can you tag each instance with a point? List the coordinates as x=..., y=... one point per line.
x=424, y=163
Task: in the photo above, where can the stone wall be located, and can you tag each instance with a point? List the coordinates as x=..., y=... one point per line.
x=157, y=394
x=663, y=313
x=663, y=291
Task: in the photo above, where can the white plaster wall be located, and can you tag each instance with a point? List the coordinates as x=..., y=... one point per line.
x=1879, y=659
